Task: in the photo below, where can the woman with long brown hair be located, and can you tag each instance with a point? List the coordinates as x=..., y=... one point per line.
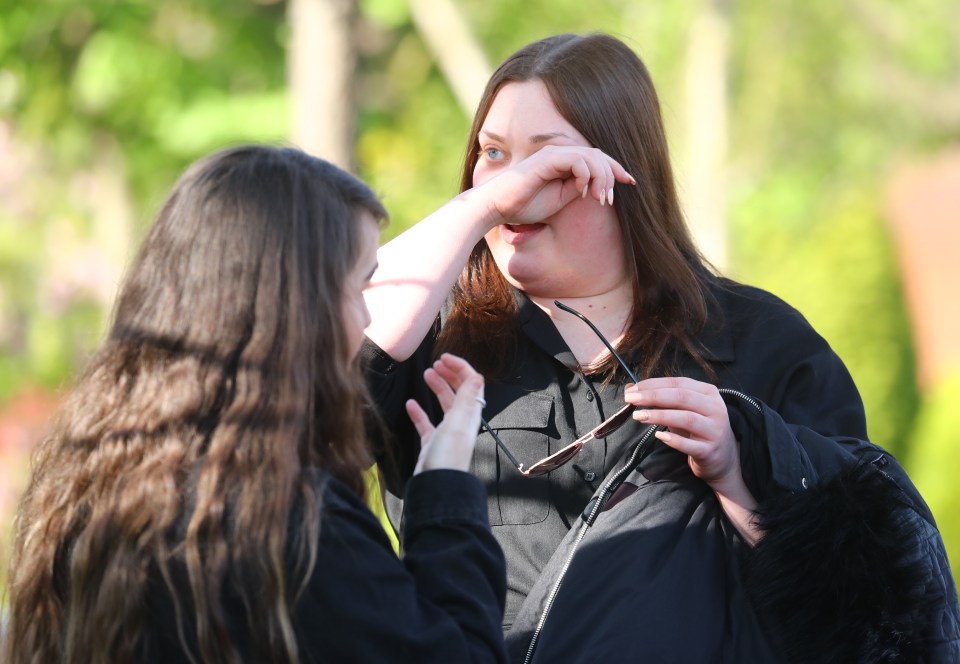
x=201, y=498
x=669, y=454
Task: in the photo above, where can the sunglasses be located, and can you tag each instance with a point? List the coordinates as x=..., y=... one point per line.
x=601, y=431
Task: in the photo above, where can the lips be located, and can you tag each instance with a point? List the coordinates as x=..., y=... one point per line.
x=518, y=233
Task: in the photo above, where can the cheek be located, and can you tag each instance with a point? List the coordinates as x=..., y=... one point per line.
x=480, y=174
x=591, y=236
x=358, y=316
x=365, y=317
x=591, y=223
x=499, y=249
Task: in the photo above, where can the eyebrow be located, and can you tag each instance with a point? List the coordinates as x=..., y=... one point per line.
x=536, y=139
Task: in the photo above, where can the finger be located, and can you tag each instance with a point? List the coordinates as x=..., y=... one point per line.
x=674, y=399
x=693, y=425
x=440, y=387
x=454, y=369
x=420, y=420
x=586, y=165
x=464, y=414
x=680, y=382
x=607, y=171
x=692, y=448
x=710, y=462
x=582, y=176
x=606, y=179
x=599, y=181
x=680, y=393
x=620, y=174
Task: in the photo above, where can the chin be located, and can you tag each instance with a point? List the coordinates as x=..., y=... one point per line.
x=522, y=281
x=535, y=287
x=522, y=272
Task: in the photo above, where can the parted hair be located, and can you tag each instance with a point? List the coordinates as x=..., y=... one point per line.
x=600, y=86
x=193, y=439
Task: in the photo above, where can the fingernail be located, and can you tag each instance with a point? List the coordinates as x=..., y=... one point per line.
x=586, y=188
x=610, y=196
x=642, y=415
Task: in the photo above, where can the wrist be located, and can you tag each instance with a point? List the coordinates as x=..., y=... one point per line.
x=480, y=206
x=740, y=507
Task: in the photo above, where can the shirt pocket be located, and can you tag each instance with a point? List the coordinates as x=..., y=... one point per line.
x=524, y=426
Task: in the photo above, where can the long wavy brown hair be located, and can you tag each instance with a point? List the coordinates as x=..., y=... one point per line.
x=603, y=89
x=193, y=439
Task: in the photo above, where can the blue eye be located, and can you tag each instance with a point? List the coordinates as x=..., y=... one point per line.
x=493, y=154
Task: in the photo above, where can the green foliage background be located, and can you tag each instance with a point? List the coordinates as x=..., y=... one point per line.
x=140, y=89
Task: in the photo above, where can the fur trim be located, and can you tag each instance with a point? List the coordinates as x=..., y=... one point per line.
x=839, y=574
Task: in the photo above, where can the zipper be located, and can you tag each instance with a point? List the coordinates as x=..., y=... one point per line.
x=743, y=397
x=590, y=513
x=595, y=506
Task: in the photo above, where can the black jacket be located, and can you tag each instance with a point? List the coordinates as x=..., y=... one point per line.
x=851, y=569
x=661, y=575
x=443, y=602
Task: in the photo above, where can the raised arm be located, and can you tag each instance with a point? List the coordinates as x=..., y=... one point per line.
x=418, y=268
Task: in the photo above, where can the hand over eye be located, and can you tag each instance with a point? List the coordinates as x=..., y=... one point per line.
x=552, y=178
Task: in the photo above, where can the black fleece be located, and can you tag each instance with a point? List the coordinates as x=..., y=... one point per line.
x=443, y=602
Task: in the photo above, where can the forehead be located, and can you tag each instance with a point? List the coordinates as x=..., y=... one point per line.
x=526, y=108
x=369, y=233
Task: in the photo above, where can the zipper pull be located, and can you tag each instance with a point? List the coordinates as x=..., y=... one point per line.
x=588, y=511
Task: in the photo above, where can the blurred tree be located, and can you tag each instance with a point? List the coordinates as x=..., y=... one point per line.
x=455, y=50
x=934, y=462
x=707, y=118
x=322, y=32
x=810, y=156
x=101, y=106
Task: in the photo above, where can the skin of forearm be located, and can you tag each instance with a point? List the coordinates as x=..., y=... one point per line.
x=739, y=505
x=417, y=269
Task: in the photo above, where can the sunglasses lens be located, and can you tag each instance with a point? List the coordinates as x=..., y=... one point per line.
x=615, y=422
x=554, y=461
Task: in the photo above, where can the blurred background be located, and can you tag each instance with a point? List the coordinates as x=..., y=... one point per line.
x=817, y=147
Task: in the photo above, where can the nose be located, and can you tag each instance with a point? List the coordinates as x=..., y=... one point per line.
x=367, y=319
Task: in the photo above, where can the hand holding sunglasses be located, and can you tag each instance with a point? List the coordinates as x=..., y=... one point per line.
x=698, y=423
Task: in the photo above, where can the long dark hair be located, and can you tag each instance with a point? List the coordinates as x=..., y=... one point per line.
x=223, y=384
x=603, y=89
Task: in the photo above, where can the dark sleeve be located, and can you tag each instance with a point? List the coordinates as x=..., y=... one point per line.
x=393, y=437
x=850, y=571
x=442, y=603
x=851, y=566
x=809, y=425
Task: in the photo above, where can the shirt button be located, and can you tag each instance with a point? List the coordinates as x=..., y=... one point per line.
x=589, y=396
x=589, y=476
x=803, y=482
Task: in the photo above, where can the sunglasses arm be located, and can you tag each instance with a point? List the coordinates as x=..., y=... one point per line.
x=602, y=338
x=501, y=445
